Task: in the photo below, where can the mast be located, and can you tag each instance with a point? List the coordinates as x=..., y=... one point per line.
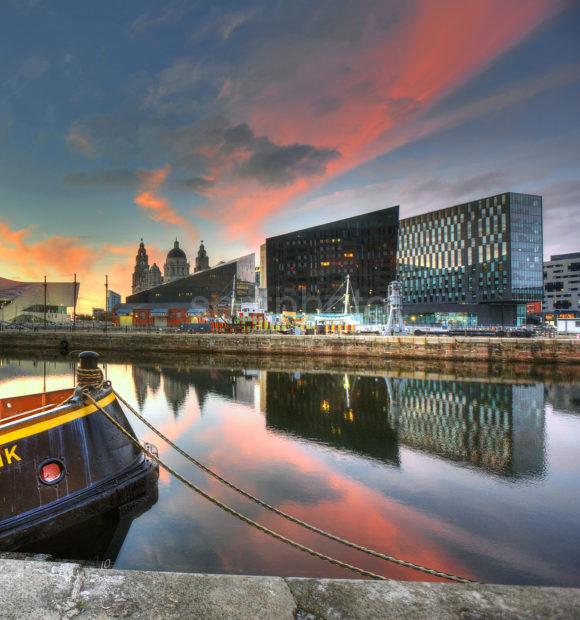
x=233, y=301
x=347, y=295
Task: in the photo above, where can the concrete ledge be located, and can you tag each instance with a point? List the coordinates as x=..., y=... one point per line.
x=481, y=349
x=36, y=589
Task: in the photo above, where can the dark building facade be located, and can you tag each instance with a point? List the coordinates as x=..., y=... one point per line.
x=475, y=263
x=305, y=268
x=210, y=287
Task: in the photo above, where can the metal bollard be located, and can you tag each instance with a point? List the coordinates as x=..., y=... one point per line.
x=88, y=360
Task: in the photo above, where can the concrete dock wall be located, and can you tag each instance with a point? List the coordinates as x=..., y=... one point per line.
x=54, y=590
x=480, y=349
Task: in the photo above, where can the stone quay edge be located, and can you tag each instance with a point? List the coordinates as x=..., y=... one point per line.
x=56, y=590
x=479, y=349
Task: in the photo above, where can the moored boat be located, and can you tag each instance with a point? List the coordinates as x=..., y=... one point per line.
x=62, y=462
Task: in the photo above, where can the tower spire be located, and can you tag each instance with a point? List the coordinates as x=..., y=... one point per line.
x=202, y=259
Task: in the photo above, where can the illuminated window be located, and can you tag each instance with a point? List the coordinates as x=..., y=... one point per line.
x=324, y=263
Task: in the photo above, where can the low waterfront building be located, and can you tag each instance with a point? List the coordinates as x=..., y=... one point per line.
x=98, y=314
x=568, y=326
x=562, y=288
x=154, y=314
x=210, y=288
x=477, y=263
x=306, y=268
x=35, y=302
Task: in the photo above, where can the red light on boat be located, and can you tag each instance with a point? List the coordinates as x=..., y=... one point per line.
x=51, y=472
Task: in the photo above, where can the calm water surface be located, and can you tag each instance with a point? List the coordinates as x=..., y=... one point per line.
x=479, y=477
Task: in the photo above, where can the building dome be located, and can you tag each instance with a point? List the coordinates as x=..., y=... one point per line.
x=176, y=251
x=176, y=265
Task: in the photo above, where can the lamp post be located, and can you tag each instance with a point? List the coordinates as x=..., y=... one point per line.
x=106, y=299
x=75, y=301
x=44, y=307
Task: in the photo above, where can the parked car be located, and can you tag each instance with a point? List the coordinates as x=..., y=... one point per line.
x=195, y=328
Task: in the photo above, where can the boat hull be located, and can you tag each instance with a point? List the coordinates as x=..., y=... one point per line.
x=101, y=469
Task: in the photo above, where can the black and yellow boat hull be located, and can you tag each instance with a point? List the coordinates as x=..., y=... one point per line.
x=66, y=464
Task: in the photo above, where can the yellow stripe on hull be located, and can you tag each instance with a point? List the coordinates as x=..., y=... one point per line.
x=46, y=424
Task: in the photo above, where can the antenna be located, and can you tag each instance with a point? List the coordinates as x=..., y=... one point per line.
x=346, y=295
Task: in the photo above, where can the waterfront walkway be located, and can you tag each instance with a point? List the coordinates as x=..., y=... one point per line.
x=42, y=589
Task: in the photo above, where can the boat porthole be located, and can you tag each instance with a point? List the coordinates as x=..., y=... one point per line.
x=51, y=471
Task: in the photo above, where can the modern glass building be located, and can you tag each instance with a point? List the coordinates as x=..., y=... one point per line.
x=210, y=287
x=306, y=268
x=562, y=287
x=475, y=263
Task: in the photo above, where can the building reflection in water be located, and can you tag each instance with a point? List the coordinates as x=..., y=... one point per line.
x=496, y=427
x=235, y=385
x=350, y=412
x=564, y=397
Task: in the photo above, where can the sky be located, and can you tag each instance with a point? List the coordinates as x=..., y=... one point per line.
x=231, y=121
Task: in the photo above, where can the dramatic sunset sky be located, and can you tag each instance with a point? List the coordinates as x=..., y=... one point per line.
x=230, y=121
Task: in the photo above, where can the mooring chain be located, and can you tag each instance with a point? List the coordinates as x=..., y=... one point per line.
x=229, y=509
x=289, y=517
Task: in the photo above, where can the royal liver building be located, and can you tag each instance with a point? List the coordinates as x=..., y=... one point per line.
x=176, y=267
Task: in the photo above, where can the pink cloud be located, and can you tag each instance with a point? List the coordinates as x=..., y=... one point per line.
x=155, y=205
x=375, y=98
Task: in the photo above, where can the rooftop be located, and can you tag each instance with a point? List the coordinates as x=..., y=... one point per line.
x=564, y=256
